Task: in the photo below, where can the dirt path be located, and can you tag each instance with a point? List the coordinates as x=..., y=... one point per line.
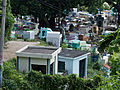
x=13, y=46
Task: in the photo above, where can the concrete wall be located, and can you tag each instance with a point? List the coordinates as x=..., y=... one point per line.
x=72, y=65
x=28, y=35
x=38, y=61
x=76, y=65
x=68, y=64
x=54, y=40
x=23, y=64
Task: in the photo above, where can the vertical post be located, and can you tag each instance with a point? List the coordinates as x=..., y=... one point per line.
x=54, y=64
x=86, y=67
x=29, y=64
x=48, y=66
x=2, y=38
x=17, y=63
x=57, y=59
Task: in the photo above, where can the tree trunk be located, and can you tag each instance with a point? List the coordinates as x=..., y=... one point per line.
x=52, y=23
x=118, y=10
x=2, y=38
x=43, y=22
x=35, y=19
x=118, y=18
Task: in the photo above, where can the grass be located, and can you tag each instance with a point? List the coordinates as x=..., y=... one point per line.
x=43, y=43
x=32, y=40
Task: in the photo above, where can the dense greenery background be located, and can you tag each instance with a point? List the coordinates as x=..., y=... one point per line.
x=48, y=10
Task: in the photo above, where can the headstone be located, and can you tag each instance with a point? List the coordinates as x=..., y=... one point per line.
x=43, y=32
x=54, y=38
x=28, y=35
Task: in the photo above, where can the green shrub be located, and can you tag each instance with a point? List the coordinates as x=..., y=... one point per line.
x=75, y=82
x=115, y=63
x=9, y=84
x=96, y=66
x=35, y=79
x=13, y=80
x=43, y=43
x=64, y=45
x=32, y=40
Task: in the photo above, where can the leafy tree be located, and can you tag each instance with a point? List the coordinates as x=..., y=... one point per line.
x=96, y=66
x=116, y=5
x=9, y=20
x=114, y=63
x=20, y=7
x=110, y=43
x=111, y=83
x=106, y=6
x=92, y=5
x=48, y=10
x=45, y=10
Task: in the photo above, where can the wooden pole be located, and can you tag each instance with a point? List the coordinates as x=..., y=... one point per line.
x=2, y=38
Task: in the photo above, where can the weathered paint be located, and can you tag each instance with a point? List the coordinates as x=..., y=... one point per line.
x=38, y=61
x=27, y=59
x=48, y=66
x=76, y=65
x=54, y=38
x=38, y=55
x=68, y=64
x=23, y=64
x=72, y=64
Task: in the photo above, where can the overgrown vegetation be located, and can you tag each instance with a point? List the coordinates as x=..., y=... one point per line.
x=64, y=45
x=94, y=68
x=13, y=80
x=43, y=43
x=110, y=42
x=9, y=20
x=115, y=63
x=32, y=40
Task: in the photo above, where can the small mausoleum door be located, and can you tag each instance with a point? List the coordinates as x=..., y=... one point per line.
x=82, y=68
